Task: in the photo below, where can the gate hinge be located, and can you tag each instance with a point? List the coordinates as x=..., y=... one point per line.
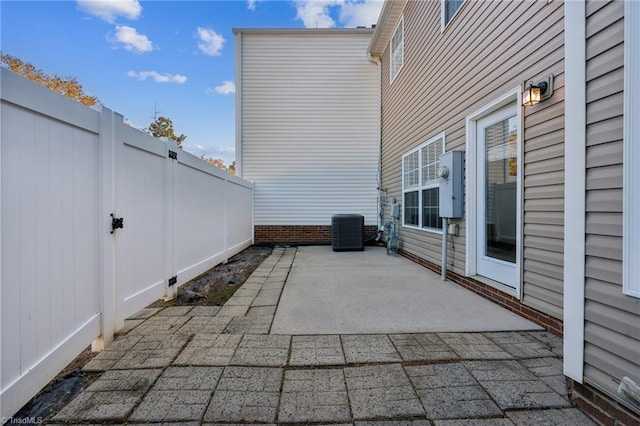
x=173, y=155
x=173, y=280
x=116, y=223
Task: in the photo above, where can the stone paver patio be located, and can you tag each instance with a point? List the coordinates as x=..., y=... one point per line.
x=209, y=365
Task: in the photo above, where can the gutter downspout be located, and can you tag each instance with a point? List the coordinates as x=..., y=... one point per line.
x=380, y=208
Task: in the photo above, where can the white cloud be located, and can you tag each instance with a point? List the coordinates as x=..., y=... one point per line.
x=251, y=4
x=210, y=42
x=365, y=13
x=157, y=77
x=351, y=13
x=226, y=88
x=109, y=10
x=316, y=13
x=131, y=40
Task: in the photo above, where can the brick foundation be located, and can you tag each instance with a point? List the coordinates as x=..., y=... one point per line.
x=600, y=407
x=548, y=322
x=300, y=234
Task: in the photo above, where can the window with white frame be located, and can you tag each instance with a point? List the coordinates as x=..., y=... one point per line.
x=449, y=9
x=397, y=50
x=420, y=190
x=631, y=157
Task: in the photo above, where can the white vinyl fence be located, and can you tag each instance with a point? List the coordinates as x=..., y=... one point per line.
x=66, y=280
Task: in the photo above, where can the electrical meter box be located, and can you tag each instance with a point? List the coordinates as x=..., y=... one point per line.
x=395, y=210
x=450, y=176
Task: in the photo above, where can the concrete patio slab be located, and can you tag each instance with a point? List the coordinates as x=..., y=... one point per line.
x=160, y=325
x=520, y=345
x=177, y=368
x=267, y=297
x=249, y=325
x=564, y=417
x=475, y=422
x=550, y=371
x=106, y=359
x=212, y=325
x=246, y=292
x=180, y=394
x=233, y=311
x=371, y=292
x=111, y=397
x=175, y=311
x=381, y=391
x=262, y=311
x=262, y=350
x=316, y=351
x=204, y=311
x=172, y=406
x=448, y=391
x=474, y=346
x=550, y=341
x=152, y=351
x=246, y=394
x=422, y=347
x=394, y=423
x=314, y=396
x=512, y=386
x=369, y=348
x=209, y=349
x=237, y=300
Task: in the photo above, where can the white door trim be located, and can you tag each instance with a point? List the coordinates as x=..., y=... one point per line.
x=512, y=96
x=496, y=269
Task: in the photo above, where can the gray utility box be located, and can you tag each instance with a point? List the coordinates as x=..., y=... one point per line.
x=347, y=232
x=451, y=176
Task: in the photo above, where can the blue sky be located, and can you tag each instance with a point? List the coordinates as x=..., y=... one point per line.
x=178, y=55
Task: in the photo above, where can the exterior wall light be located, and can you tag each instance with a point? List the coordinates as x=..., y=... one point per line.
x=535, y=93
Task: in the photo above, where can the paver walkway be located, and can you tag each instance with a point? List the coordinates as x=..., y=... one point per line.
x=204, y=365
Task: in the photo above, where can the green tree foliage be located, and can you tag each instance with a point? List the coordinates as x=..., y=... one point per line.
x=231, y=169
x=162, y=127
x=67, y=86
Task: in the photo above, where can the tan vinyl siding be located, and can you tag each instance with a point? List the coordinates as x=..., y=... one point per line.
x=309, y=125
x=486, y=51
x=612, y=319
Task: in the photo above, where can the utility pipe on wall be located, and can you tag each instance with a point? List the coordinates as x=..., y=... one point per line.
x=445, y=232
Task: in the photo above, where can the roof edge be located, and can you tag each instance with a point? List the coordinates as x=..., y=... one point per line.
x=391, y=11
x=367, y=31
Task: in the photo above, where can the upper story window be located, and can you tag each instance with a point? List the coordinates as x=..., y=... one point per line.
x=449, y=9
x=397, y=49
x=420, y=189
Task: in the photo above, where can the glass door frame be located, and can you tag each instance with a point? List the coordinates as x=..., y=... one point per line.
x=511, y=98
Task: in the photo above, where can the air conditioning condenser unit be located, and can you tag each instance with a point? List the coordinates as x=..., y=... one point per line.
x=347, y=232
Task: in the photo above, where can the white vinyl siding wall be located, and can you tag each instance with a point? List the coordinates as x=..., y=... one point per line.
x=309, y=138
